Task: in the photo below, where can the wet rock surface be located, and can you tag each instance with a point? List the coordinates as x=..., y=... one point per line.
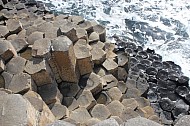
x=162, y=83
x=64, y=68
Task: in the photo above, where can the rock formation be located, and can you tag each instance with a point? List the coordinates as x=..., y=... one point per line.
x=62, y=70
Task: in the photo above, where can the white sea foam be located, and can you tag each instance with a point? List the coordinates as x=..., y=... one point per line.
x=112, y=13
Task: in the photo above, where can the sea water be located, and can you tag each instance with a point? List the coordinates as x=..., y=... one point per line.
x=162, y=25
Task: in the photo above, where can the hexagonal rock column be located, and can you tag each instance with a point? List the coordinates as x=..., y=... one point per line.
x=14, y=26
x=20, y=83
x=50, y=93
x=39, y=70
x=5, y=79
x=21, y=112
x=100, y=112
x=35, y=36
x=41, y=48
x=19, y=44
x=109, y=81
x=87, y=26
x=60, y=111
x=2, y=66
x=98, y=55
x=127, y=114
x=65, y=59
x=94, y=84
x=84, y=58
x=76, y=19
x=101, y=31
x=114, y=93
x=80, y=115
x=45, y=115
x=16, y=65
x=7, y=51
x=86, y=100
x=55, y=70
x=68, y=89
x=103, y=98
x=115, y=108
x=3, y=31
x=111, y=66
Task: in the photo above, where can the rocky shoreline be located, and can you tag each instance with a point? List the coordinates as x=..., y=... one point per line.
x=62, y=70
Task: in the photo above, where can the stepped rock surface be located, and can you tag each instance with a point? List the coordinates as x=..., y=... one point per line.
x=60, y=70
